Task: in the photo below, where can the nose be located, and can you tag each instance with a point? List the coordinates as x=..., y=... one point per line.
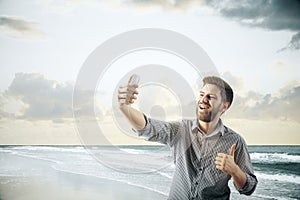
x=203, y=99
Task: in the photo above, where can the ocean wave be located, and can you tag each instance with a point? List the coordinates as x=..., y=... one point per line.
x=76, y=149
x=279, y=177
x=136, y=151
x=166, y=175
x=262, y=196
x=37, y=157
x=274, y=158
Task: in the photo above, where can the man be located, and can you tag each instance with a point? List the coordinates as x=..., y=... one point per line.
x=206, y=153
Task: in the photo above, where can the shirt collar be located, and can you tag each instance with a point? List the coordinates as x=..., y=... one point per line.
x=220, y=128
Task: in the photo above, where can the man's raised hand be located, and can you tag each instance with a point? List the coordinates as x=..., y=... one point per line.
x=127, y=94
x=225, y=162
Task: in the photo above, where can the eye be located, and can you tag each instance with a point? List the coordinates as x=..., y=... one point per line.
x=212, y=97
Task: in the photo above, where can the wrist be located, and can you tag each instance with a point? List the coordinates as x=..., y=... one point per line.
x=123, y=106
x=236, y=171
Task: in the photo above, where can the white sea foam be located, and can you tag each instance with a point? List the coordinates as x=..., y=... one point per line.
x=274, y=158
x=165, y=175
x=38, y=157
x=6, y=151
x=50, y=148
x=279, y=177
x=135, y=151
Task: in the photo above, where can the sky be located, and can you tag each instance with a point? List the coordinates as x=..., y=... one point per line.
x=254, y=46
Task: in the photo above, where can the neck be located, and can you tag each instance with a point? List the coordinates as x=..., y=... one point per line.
x=208, y=127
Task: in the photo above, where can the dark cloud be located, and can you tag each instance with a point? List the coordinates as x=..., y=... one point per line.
x=273, y=15
x=19, y=28
x=44, y=98
x=268, y=107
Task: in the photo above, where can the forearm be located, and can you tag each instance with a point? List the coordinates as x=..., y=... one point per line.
x=239, y=178
x=135, y=117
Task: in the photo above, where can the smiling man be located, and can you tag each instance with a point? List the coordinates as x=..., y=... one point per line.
x=207, y=154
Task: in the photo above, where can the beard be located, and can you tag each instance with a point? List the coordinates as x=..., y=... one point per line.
x=207, y=116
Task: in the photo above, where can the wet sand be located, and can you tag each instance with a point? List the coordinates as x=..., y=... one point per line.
x=67, y=187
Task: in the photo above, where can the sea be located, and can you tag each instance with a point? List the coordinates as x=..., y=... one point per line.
x=151, y=167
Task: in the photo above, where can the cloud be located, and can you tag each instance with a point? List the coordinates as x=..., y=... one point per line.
x=43, y=98
x=19, y=28
x=294, y=43
x=273, y=15
x=32, y=96
x=236, y=82
x=282, y=105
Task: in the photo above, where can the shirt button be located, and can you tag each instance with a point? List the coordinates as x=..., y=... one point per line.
x=196, y=183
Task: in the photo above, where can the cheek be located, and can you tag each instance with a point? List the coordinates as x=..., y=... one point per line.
x=221, y=107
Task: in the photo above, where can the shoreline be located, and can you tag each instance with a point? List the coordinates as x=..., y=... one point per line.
x=124, y=145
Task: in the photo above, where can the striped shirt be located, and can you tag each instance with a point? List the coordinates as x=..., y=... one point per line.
x=196, y=175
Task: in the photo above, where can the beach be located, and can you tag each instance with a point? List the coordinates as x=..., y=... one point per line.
x=39, y=181
x=76, y=187
x=127, y=172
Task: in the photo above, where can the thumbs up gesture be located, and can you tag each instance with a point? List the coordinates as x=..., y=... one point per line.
x=225, y=162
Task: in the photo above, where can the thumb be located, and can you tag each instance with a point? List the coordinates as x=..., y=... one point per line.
x=232, y=150
x=134, y=79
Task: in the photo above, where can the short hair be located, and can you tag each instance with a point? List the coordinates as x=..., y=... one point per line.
x=226, y=90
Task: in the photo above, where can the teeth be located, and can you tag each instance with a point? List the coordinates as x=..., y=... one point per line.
x=203, y=107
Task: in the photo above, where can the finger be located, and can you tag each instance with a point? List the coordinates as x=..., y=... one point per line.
x=133, y=97
x=219, y=162
x=126, y=89
x=130, y=79
x=133, y=80
x=123, y=89
x=135, y=92
x=131, y=89
x=219, y=159
x=131, y=101
x=221, y=155
x=220, y=167
x=122, y=96
x=122, y=101
x=232, y=150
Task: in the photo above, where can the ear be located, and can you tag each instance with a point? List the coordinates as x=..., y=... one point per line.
x=226, y=105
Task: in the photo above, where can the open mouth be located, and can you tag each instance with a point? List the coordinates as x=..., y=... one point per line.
x=203, y=107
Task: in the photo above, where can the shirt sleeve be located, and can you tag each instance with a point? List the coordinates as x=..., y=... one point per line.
x=160, y=131
x=242, y=159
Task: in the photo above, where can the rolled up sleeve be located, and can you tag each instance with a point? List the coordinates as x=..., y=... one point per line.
x=250, y=185
x=244, y=162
